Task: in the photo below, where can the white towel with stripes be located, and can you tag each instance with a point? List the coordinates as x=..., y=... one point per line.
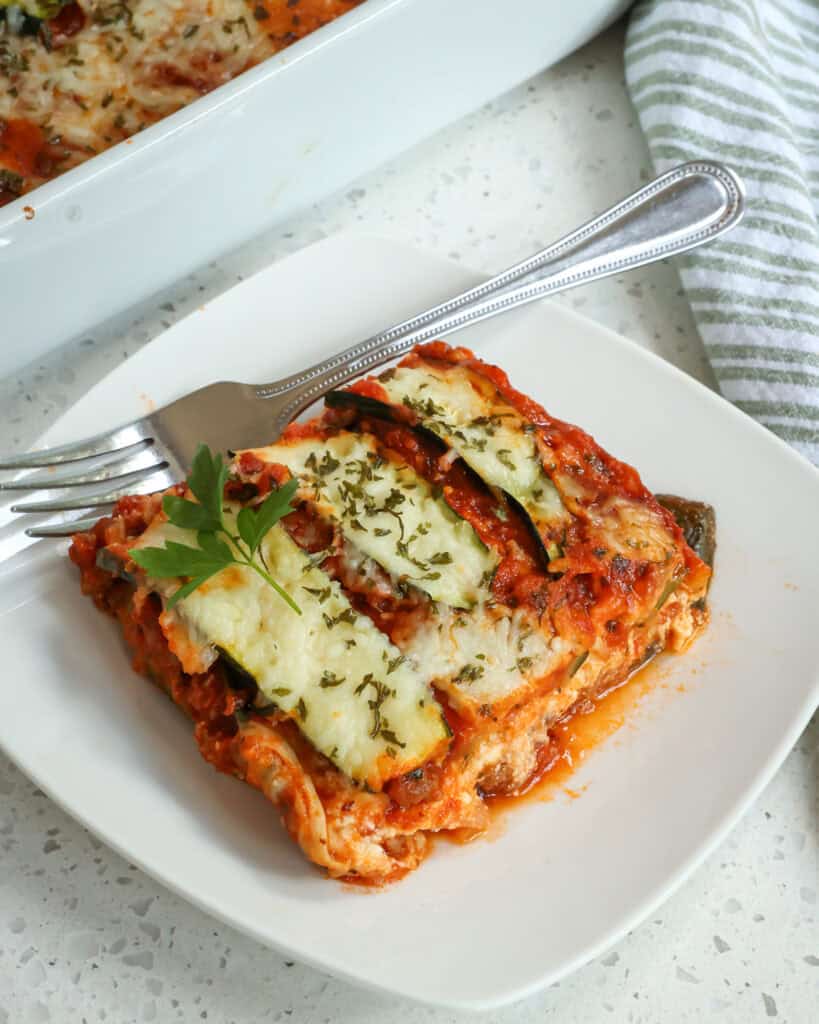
x=738, y=80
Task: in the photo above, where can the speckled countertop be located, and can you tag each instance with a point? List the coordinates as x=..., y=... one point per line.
x=85, y=937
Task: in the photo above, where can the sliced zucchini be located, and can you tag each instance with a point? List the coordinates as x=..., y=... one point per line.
x=390, y=514
x=350, y=691
x=466, y=411
x=698, y=523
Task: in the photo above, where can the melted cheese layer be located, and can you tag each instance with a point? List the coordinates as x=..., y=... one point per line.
x=351, y=692
x=466, y=411
x=390, y=514
x=487, y=657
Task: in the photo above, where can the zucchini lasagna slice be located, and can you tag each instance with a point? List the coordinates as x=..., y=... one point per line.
x=469, y=572
x=78, y=76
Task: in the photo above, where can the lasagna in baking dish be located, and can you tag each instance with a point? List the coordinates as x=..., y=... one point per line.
x=468, y=571
x=78, y=76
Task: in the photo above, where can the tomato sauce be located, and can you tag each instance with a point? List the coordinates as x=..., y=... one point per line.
x=574, y=449
x=213, y=698
x=575, y=452
x=21, y=143
x=586, y=595
x=497, y=523
x=285, y=21
x=206, y=697
x=597, y=591
x=58, y=30
x=575, y=739
x=26, y=152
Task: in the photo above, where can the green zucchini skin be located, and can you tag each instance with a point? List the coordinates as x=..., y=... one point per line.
x=447, y=560
x=365, y=405
x=115, y=566
x=696, y=519
x=540, y=544
x=238, y=677
x=361, y=403
x=698, y=522
x=368, y=406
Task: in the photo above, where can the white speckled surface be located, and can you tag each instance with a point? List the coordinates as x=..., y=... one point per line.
x=86, y=937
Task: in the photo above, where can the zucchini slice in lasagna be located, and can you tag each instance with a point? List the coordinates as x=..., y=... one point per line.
x=470, y=572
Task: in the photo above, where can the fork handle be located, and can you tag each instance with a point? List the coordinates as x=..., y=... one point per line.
x=677, y=211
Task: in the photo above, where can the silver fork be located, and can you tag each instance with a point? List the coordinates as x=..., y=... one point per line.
x=681, y=209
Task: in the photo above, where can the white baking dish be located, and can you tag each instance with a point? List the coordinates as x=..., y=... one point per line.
x=284, y=134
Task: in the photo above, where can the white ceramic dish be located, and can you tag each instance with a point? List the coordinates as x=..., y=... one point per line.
x=337, y=103
x=481, y=925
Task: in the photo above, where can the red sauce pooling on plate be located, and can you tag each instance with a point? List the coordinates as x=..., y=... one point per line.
x=575, y=738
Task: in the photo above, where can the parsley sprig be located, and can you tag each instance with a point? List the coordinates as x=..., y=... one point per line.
x=217, y=547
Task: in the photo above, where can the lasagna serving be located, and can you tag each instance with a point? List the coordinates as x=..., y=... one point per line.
x=468, y=571
x=78, y=76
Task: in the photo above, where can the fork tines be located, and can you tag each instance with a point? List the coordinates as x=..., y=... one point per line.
x=91, y=474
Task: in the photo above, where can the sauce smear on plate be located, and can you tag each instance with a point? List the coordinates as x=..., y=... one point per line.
x=579, y=735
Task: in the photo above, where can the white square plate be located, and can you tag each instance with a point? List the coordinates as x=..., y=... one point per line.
x=485, y=924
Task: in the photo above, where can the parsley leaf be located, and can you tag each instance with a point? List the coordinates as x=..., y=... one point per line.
x=217, y=546
x=188, y=514
x=207, y=482
x=254, y=523
x=190, y=586
x=214, y=546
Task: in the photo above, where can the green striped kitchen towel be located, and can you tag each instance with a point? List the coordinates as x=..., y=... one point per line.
x=738, y=80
